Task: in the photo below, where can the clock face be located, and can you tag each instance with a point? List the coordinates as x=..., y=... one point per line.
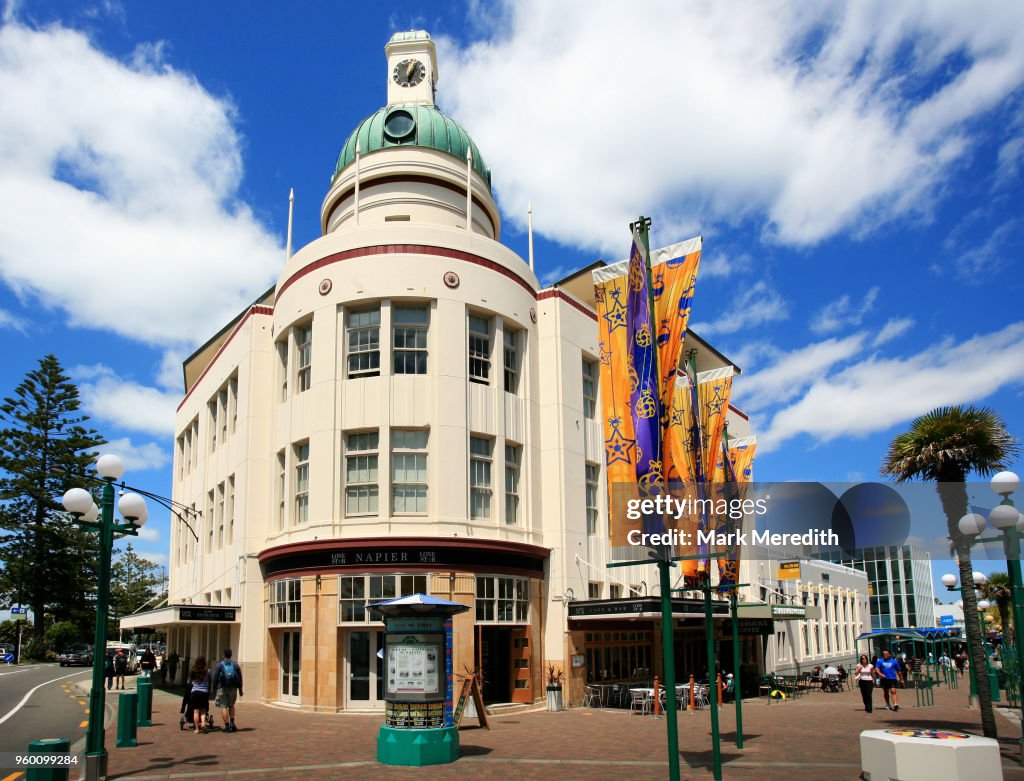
x=409, y=73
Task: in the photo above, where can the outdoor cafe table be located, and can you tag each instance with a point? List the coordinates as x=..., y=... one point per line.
x=603, y=689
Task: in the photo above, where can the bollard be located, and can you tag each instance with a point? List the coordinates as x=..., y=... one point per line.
x=144, y=687
x=127, y=710
x=692, y=706
x=657, y=700
x=49, y=772
x=718, y=685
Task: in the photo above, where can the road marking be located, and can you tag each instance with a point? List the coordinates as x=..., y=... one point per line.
x=81, y=702
x=84, y=724
x=13, y=776
x=32, y=691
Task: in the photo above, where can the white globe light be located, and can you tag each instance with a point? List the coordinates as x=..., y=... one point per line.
x=1004, y=516
x=92, y=515
x=1005, y=483
x=131, y=506
x=1020, y=523
x=109, y=465
x=979, y=578
x=948, y=580
x=984, y=604
x=141, y=520
x=960, y=604
x=77, y=501
x=971, y=524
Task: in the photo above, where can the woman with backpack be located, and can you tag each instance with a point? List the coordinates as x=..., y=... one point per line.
x=227, y=686
x=199, y=693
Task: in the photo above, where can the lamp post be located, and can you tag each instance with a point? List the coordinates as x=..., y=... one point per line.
x=132, y=507
x=1007, y=520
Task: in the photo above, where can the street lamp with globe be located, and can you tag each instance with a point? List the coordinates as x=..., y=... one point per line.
x=132, y=507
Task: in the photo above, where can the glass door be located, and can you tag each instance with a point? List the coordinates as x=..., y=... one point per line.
x=291, y=648
x=366, y=669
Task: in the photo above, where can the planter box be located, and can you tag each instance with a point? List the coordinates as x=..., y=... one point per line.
x=555, y=698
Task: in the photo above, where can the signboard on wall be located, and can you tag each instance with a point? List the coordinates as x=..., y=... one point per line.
x=789, y=570
x=210, y=613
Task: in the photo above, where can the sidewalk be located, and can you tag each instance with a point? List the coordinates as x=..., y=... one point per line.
x=810, y=739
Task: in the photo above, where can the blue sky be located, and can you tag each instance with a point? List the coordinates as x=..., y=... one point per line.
x=853, y=169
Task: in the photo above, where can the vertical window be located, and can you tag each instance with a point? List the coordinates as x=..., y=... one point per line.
x=233, y=402
x=213, y=424
x=286, y=601
x=614, y=592
x=181, y=456
x=408, y=471
x=361, y=473
x=222, y=405
x=512, y=359
x=589, y=389
x=410, y=339
x=211, y=521
x=220, y=515
x=302, y=482
x=304, y=353
x=593, y=516
x=479, y=350
x=502, y=599
x=594, y=590
x=363, y=337
x=231, y=510
x=480, y=450
x=513, y=459
x=282, y=367
x=281, y=489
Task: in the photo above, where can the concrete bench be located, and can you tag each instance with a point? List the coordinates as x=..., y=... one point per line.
x=928, y=755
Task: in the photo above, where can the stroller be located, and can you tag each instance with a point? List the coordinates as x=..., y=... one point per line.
x=187, y=720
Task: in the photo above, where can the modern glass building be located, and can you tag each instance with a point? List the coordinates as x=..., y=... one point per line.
x=900, y=583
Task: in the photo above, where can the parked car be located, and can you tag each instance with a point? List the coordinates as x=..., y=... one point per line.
x=130, y=651
x=79, y=653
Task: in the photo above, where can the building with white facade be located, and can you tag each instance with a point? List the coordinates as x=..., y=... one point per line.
x=407, y=410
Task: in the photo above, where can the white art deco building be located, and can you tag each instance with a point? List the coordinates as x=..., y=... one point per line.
x=407, y=410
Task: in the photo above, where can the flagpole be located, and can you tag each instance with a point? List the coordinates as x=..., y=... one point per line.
x=735, y=618
x=291, y=211
x=529, y=229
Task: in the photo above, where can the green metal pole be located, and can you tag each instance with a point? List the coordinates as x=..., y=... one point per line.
x=94, y=736
x=669, y=650
x=709, y=633
x=1011, y=545
x=737, y=691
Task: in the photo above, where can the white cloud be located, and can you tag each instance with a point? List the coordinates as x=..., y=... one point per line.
x=893, y=328
x=160, y=559
x=136, y=457
x=754, y=305
x=724, y=265
x=120, y=183
x=126, y=403
x=877, y=393
x=843, y=313
x=15, y=323
x=149, y=533
x=811, y=120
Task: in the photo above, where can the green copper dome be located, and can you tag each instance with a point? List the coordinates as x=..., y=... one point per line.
x=411, y=125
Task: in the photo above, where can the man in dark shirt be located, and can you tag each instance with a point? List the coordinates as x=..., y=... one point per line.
x=888, y=672
x=227, y=687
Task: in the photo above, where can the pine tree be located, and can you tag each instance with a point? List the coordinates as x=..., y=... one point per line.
x=50, y=564
x=134, y=582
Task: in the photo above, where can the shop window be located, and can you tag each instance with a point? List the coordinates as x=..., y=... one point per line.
x=361, y=487
x=502, y=600
x=286, y=601
x=480, y=450
x=409, y=346
x=479, y=350
x=363, y=333
x=355, y=592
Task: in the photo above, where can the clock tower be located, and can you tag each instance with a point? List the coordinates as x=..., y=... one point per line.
x=412, y=68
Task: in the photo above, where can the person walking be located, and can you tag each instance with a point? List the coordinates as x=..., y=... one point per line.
x=199, y=696
x=864, y=672
x=888, y=672
x=171, y=666
x=227, y=687
x=120, y=668
x=108, y=669
x=148, y=662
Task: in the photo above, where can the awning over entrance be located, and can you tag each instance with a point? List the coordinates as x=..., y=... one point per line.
x=911, y=633
x=179, y=615
x=779, y=612
x=641, y=607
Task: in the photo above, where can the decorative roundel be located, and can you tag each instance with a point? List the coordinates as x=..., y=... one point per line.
x=325, y=287
x=451, y=279
x=932, y=734
x=533, y=315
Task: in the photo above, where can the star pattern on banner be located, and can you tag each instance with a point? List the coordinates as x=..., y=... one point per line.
x=618, y=447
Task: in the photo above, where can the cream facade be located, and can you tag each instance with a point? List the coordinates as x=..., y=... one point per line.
x=407, y=410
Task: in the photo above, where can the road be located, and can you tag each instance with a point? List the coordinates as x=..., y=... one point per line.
x=51, y=710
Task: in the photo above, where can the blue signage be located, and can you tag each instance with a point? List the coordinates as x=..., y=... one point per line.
x=946, y=621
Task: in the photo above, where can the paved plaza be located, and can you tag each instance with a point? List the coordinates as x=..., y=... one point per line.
x=813, y=738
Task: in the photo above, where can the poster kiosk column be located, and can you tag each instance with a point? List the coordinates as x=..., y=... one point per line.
x=418, y=729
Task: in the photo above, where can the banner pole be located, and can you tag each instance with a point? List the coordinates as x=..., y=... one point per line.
x=709, y=632
x=736, y=692
x=669, y=651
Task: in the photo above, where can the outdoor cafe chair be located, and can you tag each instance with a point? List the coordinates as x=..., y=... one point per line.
x=592, y=697
x=639, y=699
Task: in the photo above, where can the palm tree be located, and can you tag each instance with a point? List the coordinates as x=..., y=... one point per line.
x=944, y=446
x=997, y=590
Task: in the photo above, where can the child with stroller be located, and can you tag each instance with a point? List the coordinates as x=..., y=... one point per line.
x=196, y=704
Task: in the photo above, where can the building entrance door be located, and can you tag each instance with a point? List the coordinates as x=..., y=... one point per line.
x=366, y=669
x=291, y=649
